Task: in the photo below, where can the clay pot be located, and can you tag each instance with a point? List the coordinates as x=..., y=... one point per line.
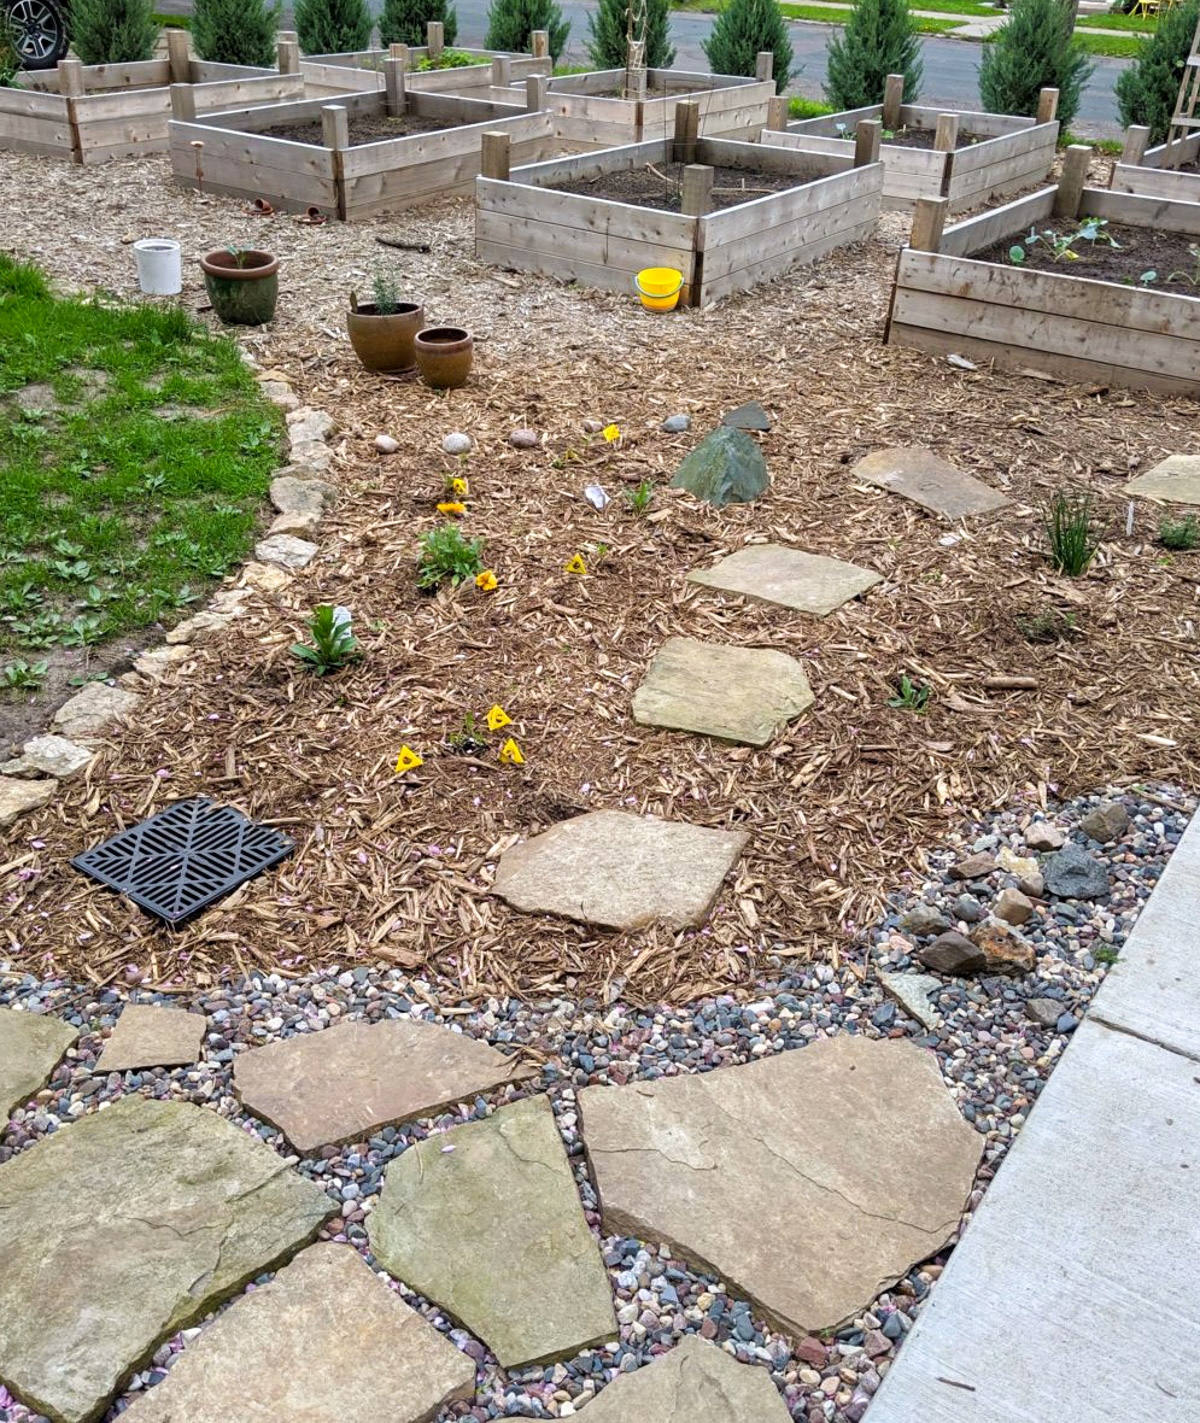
x=385, y=343
x=444, y=356
x=242, y=286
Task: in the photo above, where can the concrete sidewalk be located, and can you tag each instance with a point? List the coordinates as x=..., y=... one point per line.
x=1072, y=1297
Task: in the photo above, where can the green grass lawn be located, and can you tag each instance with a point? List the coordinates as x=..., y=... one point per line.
x=839, y=17
x=135, y=450
x=1144, y=23
x=1119, y=46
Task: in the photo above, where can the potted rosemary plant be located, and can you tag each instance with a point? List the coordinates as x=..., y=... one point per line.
x=382, y=331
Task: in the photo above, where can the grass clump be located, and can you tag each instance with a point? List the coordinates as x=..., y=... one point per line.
x=1047, y=625
x=1180, y=535
x=446, y=556
x=333, y=646
x=1072, y=534
x=22, y=676
x=638, y=500
x=135, y=449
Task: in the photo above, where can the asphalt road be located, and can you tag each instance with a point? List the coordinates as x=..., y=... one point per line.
x=951, y=66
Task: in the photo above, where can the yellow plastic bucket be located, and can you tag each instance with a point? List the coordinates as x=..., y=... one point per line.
x=659, y=288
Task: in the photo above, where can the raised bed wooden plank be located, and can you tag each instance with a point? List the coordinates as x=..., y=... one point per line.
x=1166, y=213
x=724, y=255
x=592, y=165
x=144, y=74
x=222, y=95
x=33, y=105
x=978, y=233
x=826, y=125
x=407, y=184
x=259, y=149
x=969, y=120
x=1006, y=146
x=744, y=278
x=443, y=145
x=590, y=245
x=571, y=269
x=138, y=104
x=760, y=214
x=460, y=109
x=208, y=71
x=287, y=189
x=572, y=210
x=1156, y=183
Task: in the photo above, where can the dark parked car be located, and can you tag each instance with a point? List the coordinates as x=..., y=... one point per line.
x=37, y=31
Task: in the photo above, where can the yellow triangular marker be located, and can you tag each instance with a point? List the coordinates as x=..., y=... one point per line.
x=510, y=753
x=408, y=760
x=497, y=718
x=576, y=565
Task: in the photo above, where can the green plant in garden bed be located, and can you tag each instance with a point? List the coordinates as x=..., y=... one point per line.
x=448, y=59
x=1111, y=146
x=135, y=450
x=1180, y=535
x=22, y=676
x=446, y=556
x=1071, y=532
x=333, y=645
x=910, y=695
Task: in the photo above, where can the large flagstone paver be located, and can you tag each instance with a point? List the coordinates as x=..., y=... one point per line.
x=150, y=1036
x=124, y=1227
x=696, y=1382
x=31, y=1045
x=771, y=573
x=325, y=1340
x=928, y=480
x=485, y=1220
x=808, y=1181
x=620, y=871
x=1177, y=478
x=346, y=1082
x=742, y=694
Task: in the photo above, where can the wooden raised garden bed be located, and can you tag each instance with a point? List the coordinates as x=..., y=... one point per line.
x=958, y=290
x=968, y=158
x=1165, y=171
x=601, y=217
x=89, y=113
x=338, y=156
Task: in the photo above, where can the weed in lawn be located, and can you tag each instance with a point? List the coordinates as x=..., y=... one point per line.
x=1071, y=532
x=638, y=500
x=446, y=556
x=21, y=676
x=334, y=645
x=1180, y=534
x=910, y=695
x=1046, y=625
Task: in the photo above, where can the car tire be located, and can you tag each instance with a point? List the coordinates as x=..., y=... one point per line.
x=37, y=31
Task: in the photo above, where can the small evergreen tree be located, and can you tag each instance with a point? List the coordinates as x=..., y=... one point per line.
x=742, y=30
x=511, y=22
x=333, y=26
x=607, y=43
x=235, y=31
x=113, y=31
x=1148, y=89
x=404, y=21
x=1034, y=49
x=879, y=39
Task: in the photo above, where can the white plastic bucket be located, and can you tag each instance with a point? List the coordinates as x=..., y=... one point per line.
x=160, y=266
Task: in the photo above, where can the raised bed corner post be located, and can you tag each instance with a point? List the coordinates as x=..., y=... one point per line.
x=70, y=86
x=400, y=52
x=764, y=65
x=435, y=38
x=494, y=157
x=287, y=48
x=335, y=132
x=536, y=89
x=777, y=114
x=183, y=103
x=696, y=198
x=928, y=223
x=893, y=97
x=1074, y=176
x=1047, y=109
x=635, y=73
x=501, y=71
x=179, y=59
x=945, y=141
x=1136, y=140
x=540, y=43
x=867, y=137
x=687, y=131
x=393, y=82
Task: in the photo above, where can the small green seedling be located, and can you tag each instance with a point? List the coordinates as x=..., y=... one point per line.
x=1071, y=532
x=334, y=645
x=1181, y=535
x=21, y=676
x=1192, y=277
x=447, y=557
x=468, y=741
x=1105, y=954
x=910, y=695
x=639, y=500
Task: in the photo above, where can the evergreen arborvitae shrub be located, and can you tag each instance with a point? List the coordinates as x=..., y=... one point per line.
x=333, y=26
x=879, y=39
x=511, y=22
x=742, y=29
x=404, y=21
x=113, y=31
x=607, y=42
x=1148, y=89
x=1033, y=50
x=235, y=31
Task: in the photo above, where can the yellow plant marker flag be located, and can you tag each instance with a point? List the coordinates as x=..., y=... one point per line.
x=576, y=565
x=497, y=718
x=408, y=760
x=487, y=580
x=611, y=433
x=510, y=753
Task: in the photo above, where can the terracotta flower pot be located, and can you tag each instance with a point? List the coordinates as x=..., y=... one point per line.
x=242, y=286
x=444, y=356
x=385, y=343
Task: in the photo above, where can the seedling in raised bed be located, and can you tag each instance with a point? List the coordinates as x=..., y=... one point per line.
x=1192, y=277
x=21, y=676
x=1046, y=625
x=447, y=557
x=1071, y=532
x=334, y=645
x=910, y=695
x=1094, y=230
x=1058, y=243
x=1180, y=534
x=640, y=499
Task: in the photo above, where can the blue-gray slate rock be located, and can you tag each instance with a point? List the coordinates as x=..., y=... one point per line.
x=1071, y=873
x=750, y=416
x=727, y=467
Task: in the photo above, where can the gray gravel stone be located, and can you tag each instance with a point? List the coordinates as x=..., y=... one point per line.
x=1106, y=823
x=456, y=443
x=1071, y=873
x=677, y=424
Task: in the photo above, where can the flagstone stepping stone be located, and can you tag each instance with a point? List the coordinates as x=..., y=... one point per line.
x=742, y=694
x=1177, y=479
x=808, y=1181
x=150, y=1036
x=771, y=573
x=52, y=756
x=920, y=475
x=326, y=1339
x=696, y=1382
x=750, y=416
x=726, y=467
x=485, y=1220
x=620, y=871
x=31, y=1045
x=92, y=711
x=19, y=797
x=347, y=1082
x=125, y=1227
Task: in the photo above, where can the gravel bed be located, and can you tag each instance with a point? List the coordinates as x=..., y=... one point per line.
x=994, y=1055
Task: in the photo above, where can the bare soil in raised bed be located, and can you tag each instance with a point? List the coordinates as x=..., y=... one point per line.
x=924, y=137
x=1140, y=249
x=365, y=128
x=660, y=186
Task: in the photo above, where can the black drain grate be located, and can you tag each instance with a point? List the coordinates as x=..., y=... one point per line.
x=184, y=858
